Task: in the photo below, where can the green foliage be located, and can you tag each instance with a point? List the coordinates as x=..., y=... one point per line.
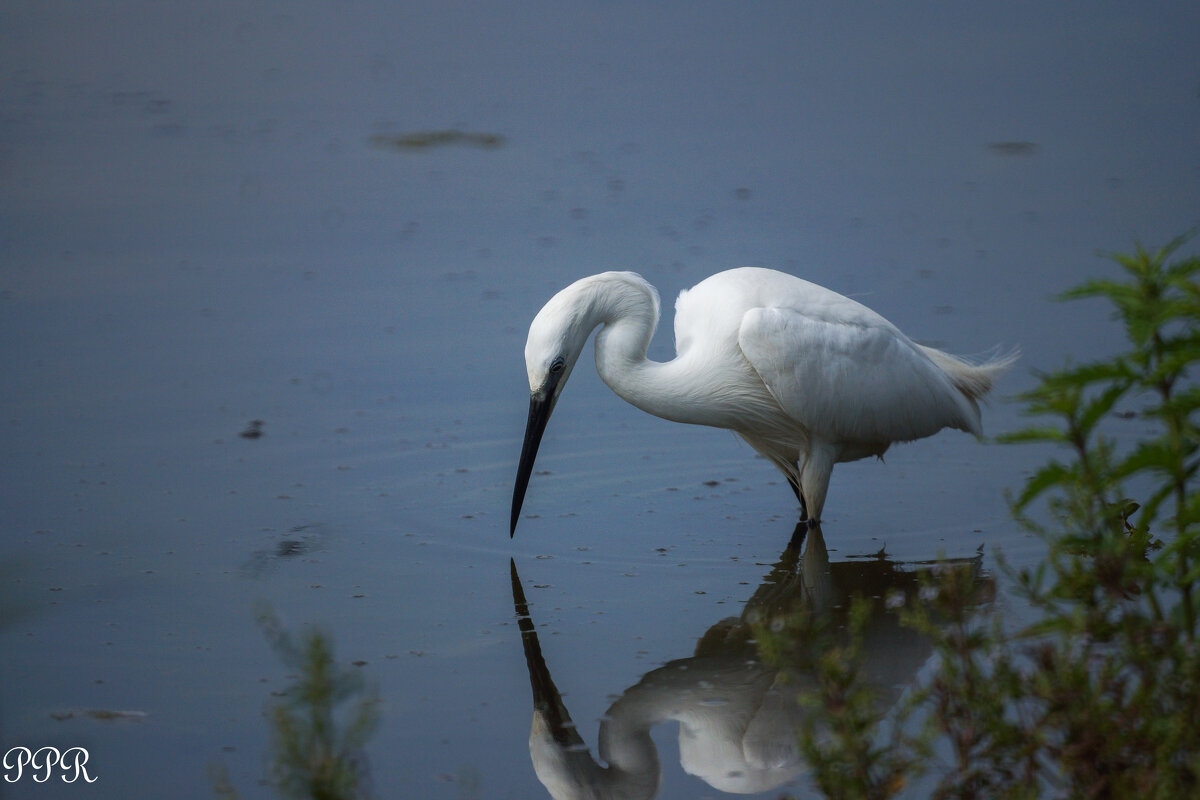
x=1112, y=677
x=967, y=699
x=316, y=755
x=843, y=712
x=1099, y=696
x=317, y=750
x=1104, y=550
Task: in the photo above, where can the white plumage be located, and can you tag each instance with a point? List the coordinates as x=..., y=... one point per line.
x=808, y=377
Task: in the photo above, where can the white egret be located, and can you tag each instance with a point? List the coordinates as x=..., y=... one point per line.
x=807, y=377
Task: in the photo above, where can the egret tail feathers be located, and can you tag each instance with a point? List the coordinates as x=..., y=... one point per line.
x=973, y=380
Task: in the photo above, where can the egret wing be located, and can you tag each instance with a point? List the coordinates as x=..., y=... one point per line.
x=851, y=382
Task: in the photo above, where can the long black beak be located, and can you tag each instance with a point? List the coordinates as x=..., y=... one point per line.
x=541, y=403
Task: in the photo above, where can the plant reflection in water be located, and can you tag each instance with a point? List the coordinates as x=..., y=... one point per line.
x=738, y=712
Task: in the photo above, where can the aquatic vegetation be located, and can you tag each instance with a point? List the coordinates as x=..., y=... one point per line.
x=319, y=725
x=314, y=753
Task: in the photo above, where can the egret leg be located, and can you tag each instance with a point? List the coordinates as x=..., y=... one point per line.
x=795, y=484
x=814, y=479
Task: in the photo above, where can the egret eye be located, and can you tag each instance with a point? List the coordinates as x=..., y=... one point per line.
x=556, y=366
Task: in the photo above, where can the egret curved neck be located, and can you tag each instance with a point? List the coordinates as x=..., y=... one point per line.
x=629, y=316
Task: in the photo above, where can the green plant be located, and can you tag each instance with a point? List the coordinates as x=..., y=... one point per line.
x=316, y=754
x=842, y=713
x=317, y=742
x=1114, y=665
x=1099, y=696
x=968, y=699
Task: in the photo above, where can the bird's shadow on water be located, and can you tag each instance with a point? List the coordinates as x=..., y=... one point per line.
x=738, y=723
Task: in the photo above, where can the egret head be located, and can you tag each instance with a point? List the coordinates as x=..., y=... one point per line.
x=556, y=338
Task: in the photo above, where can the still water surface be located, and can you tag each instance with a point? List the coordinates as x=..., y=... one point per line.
x=328, y=224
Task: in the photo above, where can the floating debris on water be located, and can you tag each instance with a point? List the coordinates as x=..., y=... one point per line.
x=102, y=714
x=1012, y=148
x=424, y=140
x=253, y=430
x=300, y=540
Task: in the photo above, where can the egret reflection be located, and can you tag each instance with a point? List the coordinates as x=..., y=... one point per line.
x=738, y=715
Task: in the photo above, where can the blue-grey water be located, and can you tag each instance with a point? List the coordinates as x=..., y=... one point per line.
x=337, y=219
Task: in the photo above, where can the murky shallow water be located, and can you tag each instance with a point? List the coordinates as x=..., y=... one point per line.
x=201, y=230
